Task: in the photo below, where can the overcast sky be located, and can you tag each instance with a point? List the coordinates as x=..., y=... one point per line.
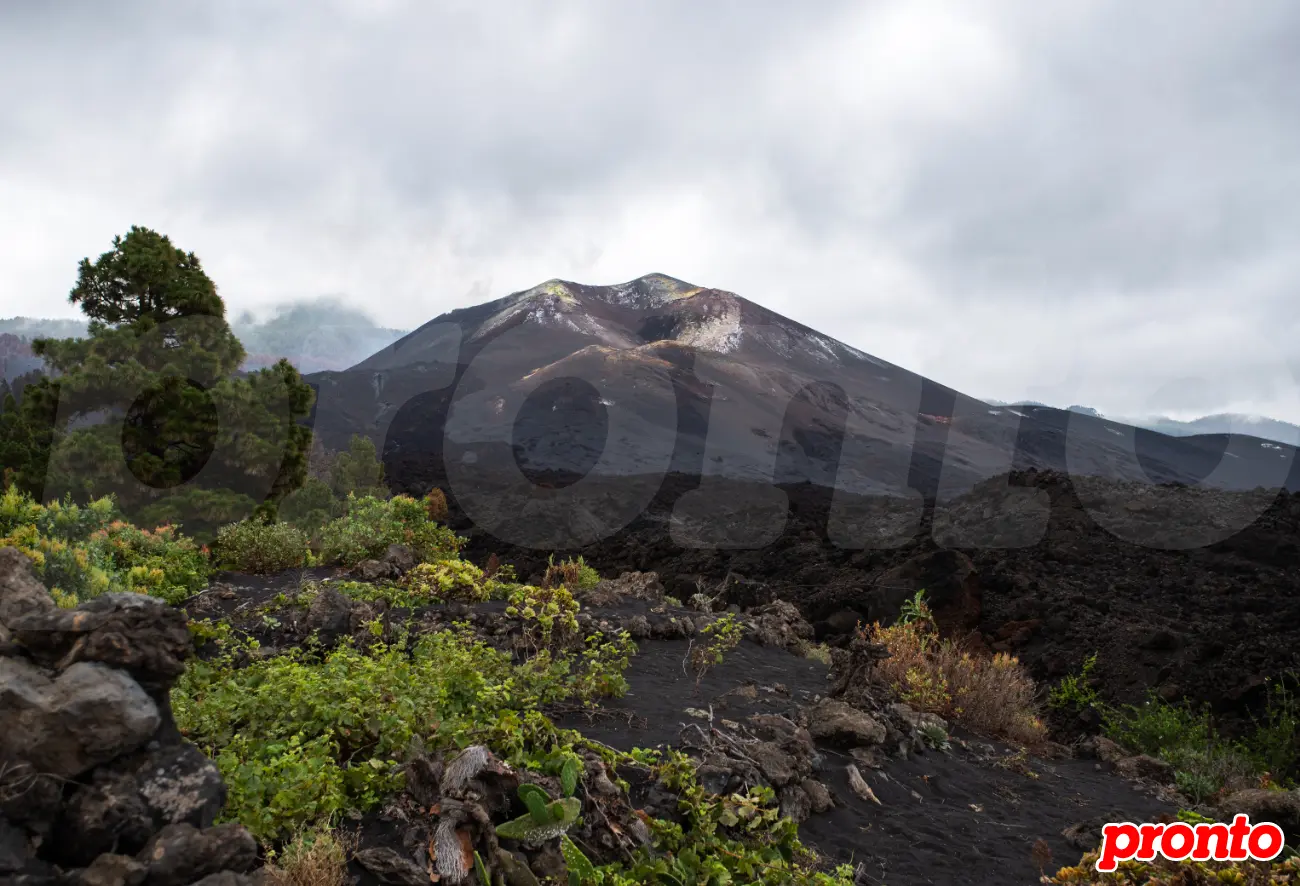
x=1071, y=202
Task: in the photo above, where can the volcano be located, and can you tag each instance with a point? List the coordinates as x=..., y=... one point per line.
x=657, y=375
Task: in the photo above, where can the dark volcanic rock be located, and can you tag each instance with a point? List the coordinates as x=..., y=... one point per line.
x=91, y=766
x=138, y=634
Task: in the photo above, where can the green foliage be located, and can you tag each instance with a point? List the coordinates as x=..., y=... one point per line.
x=569, y=773
x=601, y=666
x=310, y=506
x=737, y=838
x=449, y=580
x=545, y=820
x=187, y=442
x=915, y=609
x=721, y=637
x=549, y=614
x=935, y=736
x=259, y=548
x=358, y=471
x=580, y=868
x=81, y=552
x=301, y=737
x=1275, y=742
x=162, y=563
x=371, y=524
x=1075, y=692
x=1205, y=763
x=574, y=574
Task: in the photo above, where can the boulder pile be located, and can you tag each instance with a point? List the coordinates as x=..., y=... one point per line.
x=97, y=786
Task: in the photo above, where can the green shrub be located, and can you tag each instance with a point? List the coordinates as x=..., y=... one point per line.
x=549, y=614
x=1075, y=692
x=371, y=524
x=1204, y=762
x=65, y=521
x=300, y=738
x=259, y=548
x=450, y=580
x=720, y=637
x=82, y=552
x=1275, y=743
x=162, y=563
x=310, y=506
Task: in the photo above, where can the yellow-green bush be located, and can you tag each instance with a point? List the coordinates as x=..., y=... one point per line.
x=371, y=524
x=450, y=580
x=80, y=552
x=549, y=614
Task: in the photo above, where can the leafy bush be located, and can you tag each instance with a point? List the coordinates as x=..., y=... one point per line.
x=990, y=694
x=1204, y=762
x=371, y=524
x=1075, y=692
x=720, y=637
x=549, y=614
x=300, y=738
x=65, y=521
x=260, y=548
x=450, y=580
x=162, y=563
x=80, y=552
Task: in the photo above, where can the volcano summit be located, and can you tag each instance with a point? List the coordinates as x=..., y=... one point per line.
x=657, y=374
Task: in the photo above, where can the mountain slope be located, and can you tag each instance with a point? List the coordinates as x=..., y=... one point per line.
x=658, y=373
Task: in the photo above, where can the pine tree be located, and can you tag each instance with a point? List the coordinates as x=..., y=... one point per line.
x=149, y=407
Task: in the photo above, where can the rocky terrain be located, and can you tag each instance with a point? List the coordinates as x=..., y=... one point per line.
x=96, y=785
x=100, y=788
x=1207, y=624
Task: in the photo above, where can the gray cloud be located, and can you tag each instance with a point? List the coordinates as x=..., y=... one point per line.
x=1084, y=204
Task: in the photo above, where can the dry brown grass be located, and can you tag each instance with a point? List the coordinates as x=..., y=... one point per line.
x=993, y=695
x=318, y=858
x=564, y=574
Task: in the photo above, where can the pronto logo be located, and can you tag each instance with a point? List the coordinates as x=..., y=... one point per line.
x=1240, y=841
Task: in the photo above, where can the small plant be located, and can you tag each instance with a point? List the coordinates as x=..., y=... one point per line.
x=435, y=505
x=260, y=548
x=915, y=610
x=1275, y=743
x=546, y=819
x=572, y=573
x=549, y=614
x=599, y=672
x=722, y=636
x=311, y=858
x=820, y=653
x=1075, y=692
x=990, y=694
x=935, y=736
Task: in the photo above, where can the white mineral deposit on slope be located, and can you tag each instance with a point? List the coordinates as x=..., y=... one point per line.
x=721, y=333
